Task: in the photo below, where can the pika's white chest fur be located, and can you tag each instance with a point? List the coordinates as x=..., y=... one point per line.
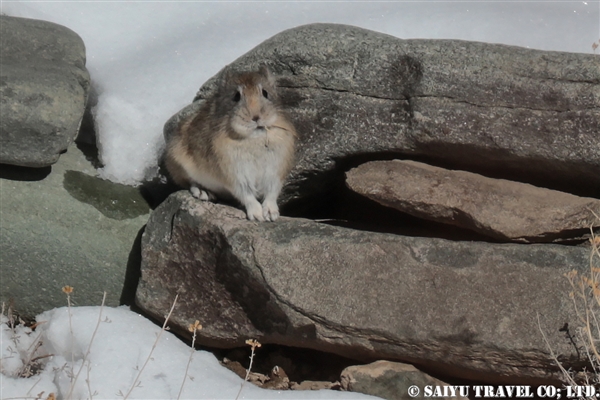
x=254, y=163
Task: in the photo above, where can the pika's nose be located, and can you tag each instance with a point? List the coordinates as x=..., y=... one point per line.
x=255, y=118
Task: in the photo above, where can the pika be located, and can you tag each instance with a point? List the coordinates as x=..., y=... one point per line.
x=240, y=145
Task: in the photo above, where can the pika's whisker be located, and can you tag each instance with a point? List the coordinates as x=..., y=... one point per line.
x=275, y=126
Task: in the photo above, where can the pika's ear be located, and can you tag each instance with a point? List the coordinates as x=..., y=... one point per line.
x=265, y=72
x=227, y=75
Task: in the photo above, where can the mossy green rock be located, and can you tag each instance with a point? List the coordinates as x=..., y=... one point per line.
x=65, y=226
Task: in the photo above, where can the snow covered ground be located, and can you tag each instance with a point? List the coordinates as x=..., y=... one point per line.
x=108, y=368
x=148, y=58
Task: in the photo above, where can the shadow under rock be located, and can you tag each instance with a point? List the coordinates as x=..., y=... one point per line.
x=87, y=137
x=157, y=190
x=28, y=174
x=133, y=271
x=336, y=204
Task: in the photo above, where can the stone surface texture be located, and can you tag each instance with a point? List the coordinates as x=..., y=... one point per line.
x=464, y=309
x=515, y=112
x=68, y=227
x=43, y=90
x=391, y=381
x=502, y=209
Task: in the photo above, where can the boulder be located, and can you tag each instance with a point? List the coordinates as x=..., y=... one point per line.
x=469, y=310
x=498, y=208
x=357, y=95
x=396, y=381
x=43, y=90
x=65, y=226
x=314, y=385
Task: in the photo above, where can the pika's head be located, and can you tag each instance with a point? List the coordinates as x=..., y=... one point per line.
x=249, y=101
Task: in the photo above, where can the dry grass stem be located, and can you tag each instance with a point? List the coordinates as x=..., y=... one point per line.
x=253, y=343
x=28, y=363
x=194, y=328
x=164, y=328
x=585, y=297
x=87, y=353
x=554, y=356
x=68, y=290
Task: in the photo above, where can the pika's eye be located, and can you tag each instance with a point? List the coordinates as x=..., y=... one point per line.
x=265, y=94
x=237, y=97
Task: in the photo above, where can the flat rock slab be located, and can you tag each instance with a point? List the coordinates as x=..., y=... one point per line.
x=65, y=227
x=465, y=309
x=43, y=90
x=497, y=208
x=519, y=113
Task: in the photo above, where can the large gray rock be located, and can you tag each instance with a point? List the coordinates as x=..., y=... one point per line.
x=66, y=227
x=498, y=208
x=43, y=90
x=468, y=310
x=513, y=112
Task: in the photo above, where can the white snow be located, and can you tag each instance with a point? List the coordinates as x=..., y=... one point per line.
x=147, y=59
x=107, y=368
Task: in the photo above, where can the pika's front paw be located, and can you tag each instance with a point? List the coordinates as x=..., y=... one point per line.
x=199, y=193
x=255, y=212
x=270, y=211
